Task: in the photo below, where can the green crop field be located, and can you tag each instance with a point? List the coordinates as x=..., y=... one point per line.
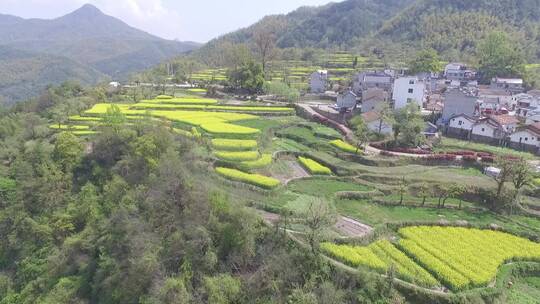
x=460, y=258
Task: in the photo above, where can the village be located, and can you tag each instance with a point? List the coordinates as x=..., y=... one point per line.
x=501, y=113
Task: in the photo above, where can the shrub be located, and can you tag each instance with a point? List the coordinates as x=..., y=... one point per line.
x=234, y=144
x=470, y=158
x=488, y=159
x=441, y=157
x=237, y=156
x=314, y=167
x=282, y=90
x=340, y=144
x=253, y=179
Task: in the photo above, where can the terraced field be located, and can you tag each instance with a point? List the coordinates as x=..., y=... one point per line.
x=296, y=163
x=459, y=258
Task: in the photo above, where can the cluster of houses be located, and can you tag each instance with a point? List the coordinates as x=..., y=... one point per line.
x=500, y=113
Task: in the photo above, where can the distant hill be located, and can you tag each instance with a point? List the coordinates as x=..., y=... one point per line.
x=92, y=45
x=453, y=27
x=25, y=74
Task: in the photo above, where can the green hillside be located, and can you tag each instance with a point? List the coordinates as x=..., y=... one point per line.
x=24, y=74
x=396, y=27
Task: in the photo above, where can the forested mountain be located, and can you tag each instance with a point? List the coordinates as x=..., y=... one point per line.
x=451, y=27
x=331, y=25
x=454, y=27
x=92, y=45
x=25, y=73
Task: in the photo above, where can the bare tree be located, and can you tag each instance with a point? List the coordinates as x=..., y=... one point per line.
x=403, y=184
x=318, y=218
x=265, y=38
x=506, y=166
x=521, y=177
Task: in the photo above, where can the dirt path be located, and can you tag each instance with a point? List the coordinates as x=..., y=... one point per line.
x=295, y=172
x=352, y=228
x=345, y=226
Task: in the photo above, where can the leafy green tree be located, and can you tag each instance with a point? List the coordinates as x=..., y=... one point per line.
x=67, y=150
x=114, y=117
x=425, y=61
x=249, y=76
x=408, y=126
x=361, y=131
x=222, y=289
x=499, y=56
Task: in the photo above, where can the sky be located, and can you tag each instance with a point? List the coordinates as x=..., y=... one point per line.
x=186, y=20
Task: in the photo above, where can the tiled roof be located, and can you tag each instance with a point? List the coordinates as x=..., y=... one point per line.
x=377, y=94
x=505, y=119
x=535, y=127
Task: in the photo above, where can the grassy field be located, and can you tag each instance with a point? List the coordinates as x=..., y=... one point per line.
x=524, y=291
x=324, y=187
x=450, y=144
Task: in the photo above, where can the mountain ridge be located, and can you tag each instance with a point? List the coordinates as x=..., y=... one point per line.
x=103, y=45
x=395, y=28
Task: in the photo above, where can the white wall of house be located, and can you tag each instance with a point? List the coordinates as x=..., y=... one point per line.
x=460, y=122
x=484, y=129
x=525, y=137
x=408, y=90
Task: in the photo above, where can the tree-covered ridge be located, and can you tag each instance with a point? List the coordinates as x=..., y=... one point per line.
x=342, y=24
x=454, y=27
x=393, y=28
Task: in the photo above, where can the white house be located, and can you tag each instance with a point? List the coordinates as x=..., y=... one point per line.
x=494, y=129
x=375, y=124
x=460, y=126
x=408, y=90
x=527, y=138
x=347, y=100
x=318, y=82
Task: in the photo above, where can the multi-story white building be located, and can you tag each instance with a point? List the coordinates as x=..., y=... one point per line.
x=408, y=90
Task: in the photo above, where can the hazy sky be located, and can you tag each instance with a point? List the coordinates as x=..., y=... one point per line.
x=196, y=20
